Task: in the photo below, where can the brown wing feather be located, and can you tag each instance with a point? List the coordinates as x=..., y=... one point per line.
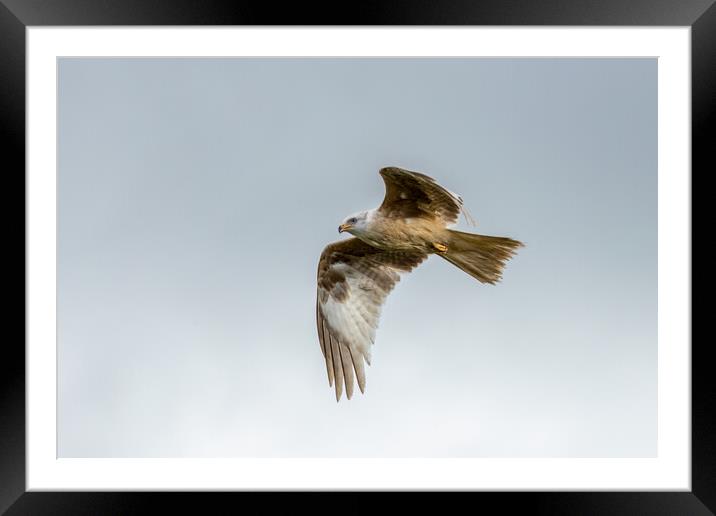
x=412, y=194
x=354, y=279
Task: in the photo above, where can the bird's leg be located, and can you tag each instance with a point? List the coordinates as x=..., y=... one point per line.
x=441, y=248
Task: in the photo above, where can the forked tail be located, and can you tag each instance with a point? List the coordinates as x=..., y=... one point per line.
x=482, y=257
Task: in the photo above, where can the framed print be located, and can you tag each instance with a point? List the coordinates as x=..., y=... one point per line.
x=185, y=173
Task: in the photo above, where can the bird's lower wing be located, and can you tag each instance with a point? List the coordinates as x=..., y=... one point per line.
x=354, y=279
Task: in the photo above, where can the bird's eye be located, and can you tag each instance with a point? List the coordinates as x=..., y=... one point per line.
x=352, y=220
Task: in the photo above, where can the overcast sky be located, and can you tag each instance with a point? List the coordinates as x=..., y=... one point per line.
x=196, y=195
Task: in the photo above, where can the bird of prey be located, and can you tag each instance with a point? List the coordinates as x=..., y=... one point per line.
x=356, y=275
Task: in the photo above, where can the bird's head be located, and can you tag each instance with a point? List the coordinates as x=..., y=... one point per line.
x=355, y=224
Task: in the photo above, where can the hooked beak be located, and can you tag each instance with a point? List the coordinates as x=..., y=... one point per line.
x=344, y=227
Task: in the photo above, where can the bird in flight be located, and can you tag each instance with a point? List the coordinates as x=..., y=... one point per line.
x=356, y=275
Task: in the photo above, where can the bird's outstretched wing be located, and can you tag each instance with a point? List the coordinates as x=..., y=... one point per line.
x=354, y=279
x=412, y=194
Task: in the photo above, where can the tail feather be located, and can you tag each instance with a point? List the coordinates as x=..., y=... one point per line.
x=482, y=257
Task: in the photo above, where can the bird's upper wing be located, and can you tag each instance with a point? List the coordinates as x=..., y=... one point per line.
x=354, y=279
x=412, y=194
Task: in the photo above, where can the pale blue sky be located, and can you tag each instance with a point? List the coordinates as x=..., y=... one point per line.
x=195, y=196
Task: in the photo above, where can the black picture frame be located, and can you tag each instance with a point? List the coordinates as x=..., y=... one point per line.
x=16, y=15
